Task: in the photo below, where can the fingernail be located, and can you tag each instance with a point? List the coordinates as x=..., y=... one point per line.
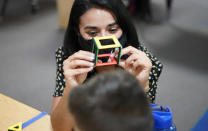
x=92, y=58
x=91, y=64
x=90, y=68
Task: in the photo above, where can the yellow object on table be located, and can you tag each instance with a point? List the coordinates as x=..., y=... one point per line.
x=13, y=112
x=16, y=127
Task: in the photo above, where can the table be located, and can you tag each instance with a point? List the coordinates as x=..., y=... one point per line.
x=13, y=112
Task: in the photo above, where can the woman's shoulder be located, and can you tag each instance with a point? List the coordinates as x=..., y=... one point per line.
x=142, y=48
x=59, y=51
x=60, y=54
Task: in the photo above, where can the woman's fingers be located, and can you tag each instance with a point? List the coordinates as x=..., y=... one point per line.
x=77, y=66
x=69, y=74
x=73, y=72
x=79, y=59
x=79, y=63
x=122, y=64
x=137, y=59
x=142, y=64
x=82, y=55
x=131, y=59
x=128, y=50
x=137, y=64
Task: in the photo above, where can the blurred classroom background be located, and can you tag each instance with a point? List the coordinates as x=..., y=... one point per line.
x=31, y=31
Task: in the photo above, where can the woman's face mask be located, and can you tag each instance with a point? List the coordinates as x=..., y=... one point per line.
x=85, y=44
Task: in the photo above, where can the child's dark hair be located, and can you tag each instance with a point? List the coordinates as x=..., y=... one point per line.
x=112, y=101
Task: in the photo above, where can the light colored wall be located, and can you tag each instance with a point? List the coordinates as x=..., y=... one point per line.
x=64, y=8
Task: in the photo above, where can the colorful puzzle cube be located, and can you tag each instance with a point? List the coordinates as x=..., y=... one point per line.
x=107, y=50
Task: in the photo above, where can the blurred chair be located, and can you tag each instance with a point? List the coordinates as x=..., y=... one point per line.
x=143, y=7
x=169, y=4
x=33, y=7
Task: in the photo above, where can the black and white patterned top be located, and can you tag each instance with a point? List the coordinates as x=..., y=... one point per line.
x=153, y=77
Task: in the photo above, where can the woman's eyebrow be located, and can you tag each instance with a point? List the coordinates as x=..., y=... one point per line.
x=90, y=27
x=112, y=24
x=94, y=27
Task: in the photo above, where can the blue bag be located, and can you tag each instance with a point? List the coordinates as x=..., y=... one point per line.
x=162, y=116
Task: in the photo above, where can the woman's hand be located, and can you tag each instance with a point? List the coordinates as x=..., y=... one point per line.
x=137, y=64
x=77, y=66
x=75, y=69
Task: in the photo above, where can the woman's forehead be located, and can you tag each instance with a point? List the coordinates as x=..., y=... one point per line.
x=97, y=17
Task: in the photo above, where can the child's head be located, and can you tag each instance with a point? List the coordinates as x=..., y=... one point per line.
x=112, y=101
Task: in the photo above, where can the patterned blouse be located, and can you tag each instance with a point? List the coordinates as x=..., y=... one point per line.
x=153, y=77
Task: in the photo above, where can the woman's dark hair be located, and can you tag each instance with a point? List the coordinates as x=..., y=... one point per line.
x=112, y=101
x=81, y=6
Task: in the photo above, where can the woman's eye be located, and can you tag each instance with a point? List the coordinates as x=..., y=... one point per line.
x=92, y=33
x=113, y=30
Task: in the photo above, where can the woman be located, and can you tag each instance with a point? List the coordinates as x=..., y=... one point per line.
x=88, y=19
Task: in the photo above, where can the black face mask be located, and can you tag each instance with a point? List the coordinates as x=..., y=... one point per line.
x=87, y=44
x=123, y=40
